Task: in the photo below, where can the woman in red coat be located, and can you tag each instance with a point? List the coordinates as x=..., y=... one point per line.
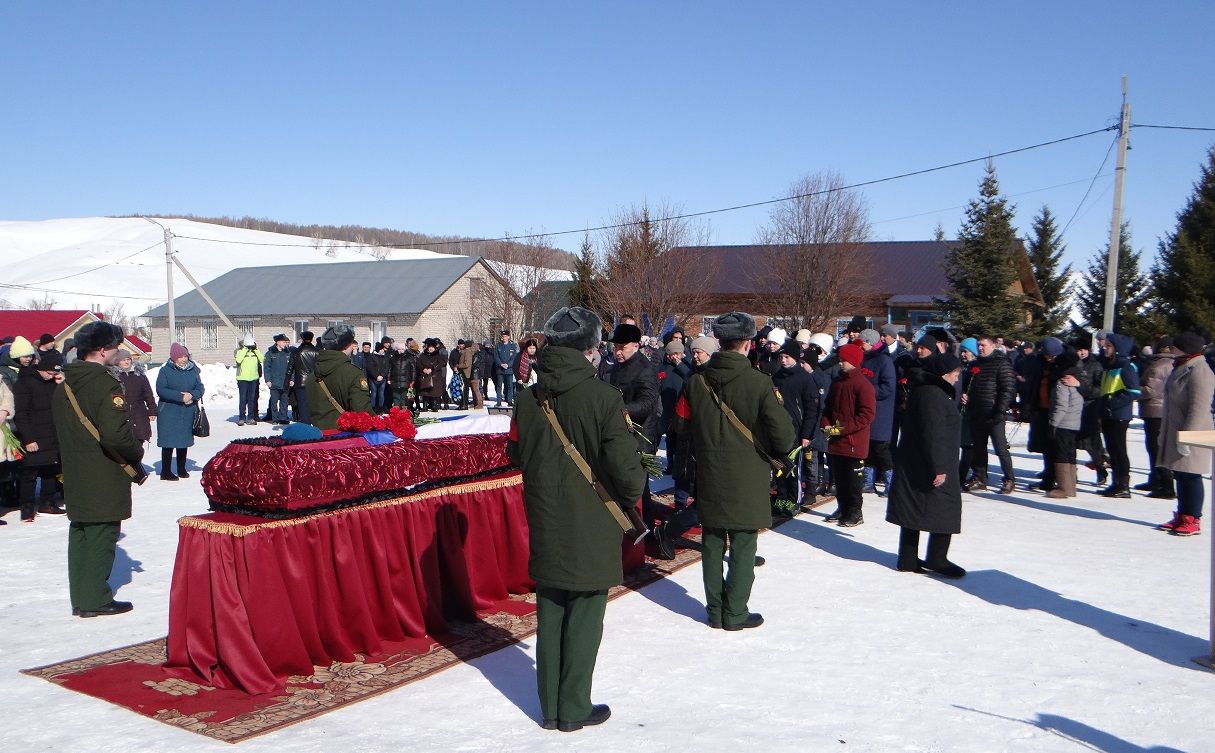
x=851, y=407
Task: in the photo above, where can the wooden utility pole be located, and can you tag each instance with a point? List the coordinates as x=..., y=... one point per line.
x=169, y=282
x=1111, y=267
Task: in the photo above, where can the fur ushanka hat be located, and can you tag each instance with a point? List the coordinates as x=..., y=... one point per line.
x=735, y=325
x=338, y=337
x=97, y=335
x=573, y=327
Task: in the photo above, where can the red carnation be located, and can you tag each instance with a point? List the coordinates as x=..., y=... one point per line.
x=867, y=373
x=400, y=422
x=662, y=375
x=974, y=370
x=903, y=380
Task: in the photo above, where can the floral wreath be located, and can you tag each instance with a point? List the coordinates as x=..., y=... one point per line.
x=399, y=421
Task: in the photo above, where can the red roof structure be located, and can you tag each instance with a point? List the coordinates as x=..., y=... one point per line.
x=33, y=324
x=139, y=343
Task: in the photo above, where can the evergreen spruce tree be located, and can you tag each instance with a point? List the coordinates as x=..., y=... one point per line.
x=980, y=268
x=1132, y=313
x=1045, y=251
x=582, y=293
x=938, y=232
x=1185, y=267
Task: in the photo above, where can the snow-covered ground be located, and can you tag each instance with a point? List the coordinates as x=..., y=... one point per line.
x=1073, y=632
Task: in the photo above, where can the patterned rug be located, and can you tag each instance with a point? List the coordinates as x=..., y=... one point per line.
x=133, y=677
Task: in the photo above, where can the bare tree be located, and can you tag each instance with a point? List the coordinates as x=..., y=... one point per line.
x=640, y=275
x=809, y=271
x=45, y=303
x=116, y=313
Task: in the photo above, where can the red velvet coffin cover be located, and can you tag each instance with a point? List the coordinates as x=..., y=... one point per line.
x=295, y=477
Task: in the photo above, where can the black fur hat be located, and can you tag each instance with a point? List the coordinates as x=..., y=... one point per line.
x=625, y=333
x=338, y=337
x=97, y=335
x=857, y=324
x=735, y=325
x=573, y=327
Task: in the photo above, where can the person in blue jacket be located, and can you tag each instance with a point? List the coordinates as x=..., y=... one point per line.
x=1119, y=391
x=179, y=387
x=504, y=379
x=878, y=368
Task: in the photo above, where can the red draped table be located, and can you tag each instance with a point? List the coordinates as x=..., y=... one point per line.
x=255, y=601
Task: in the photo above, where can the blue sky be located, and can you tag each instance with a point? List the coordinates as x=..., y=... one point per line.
x=486, y=118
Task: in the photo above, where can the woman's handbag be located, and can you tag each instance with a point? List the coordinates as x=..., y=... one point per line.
x=202, y=426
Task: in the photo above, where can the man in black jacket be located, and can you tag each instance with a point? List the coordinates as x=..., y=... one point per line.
x=634, y=376
x=299, y=374
x=990, y=394
x=799, y=393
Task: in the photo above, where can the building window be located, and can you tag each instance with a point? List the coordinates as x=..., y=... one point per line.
x=379, y=330
x=476, y=288
x=179, y=333
x=210, y=335
x=246, y=328
x=333, y=323
x=301, y=325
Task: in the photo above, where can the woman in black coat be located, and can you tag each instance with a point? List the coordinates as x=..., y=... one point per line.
x=926, y=494
x=141, y=400
x=36, y=428
x=431, y=381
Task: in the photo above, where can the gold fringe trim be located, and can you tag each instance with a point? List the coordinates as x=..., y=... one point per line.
x=237, y=530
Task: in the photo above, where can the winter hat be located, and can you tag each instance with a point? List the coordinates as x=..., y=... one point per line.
x=777, y=336
x=970, y=344
x=123, y=353
x=852, y=353
x=707, y=344
x=306, y=336
x=46, y=339
x=1189, y=343
x=624, y=334
x=280, y=337
x=248, y=342
x=177, y=350
x=735, y=325
x=870, y=337
x=803, y=336
x=856, y=325
x=675, y=348
x=889, y=330
x=1082, y=341
x=97, y=335
x=792, y=348
x=1052, y=346
x=573, y=327
x=50, y=361
x=20, y=348
x=337, y=337
x=823, y=340
x=941, y=364
x=941, y=335
x=927, y=342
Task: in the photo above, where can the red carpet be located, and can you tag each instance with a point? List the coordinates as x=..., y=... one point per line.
x=133, y=677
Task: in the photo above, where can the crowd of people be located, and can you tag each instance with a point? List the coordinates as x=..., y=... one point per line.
x=758, y=424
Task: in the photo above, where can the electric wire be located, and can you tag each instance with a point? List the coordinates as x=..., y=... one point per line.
x=1089, y=190
x=687, y=215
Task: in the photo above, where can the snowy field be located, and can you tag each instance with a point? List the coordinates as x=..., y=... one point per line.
x=1073, y=632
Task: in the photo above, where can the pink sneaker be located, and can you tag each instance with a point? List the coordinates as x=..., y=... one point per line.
x=1188, y=526
x=1169, y=526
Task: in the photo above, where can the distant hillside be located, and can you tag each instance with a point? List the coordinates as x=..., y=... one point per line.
x=512, y=253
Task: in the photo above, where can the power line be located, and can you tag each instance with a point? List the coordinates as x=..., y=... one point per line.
x=961, y=206
x=1172, y=127
x=79, y=292
x=1089, y=189
x=103, y=266
x=688, y=215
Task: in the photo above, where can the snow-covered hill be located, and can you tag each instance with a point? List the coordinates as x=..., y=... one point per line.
x=89, y=263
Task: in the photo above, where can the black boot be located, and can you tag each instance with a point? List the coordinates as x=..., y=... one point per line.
x=181, y=463
x=938, y=561
x=909, y=551
x=27, y=512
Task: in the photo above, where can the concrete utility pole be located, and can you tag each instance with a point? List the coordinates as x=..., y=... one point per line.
x=1111, y=268
x=169, y=281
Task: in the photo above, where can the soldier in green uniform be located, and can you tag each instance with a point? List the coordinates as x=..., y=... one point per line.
x=96, y=488
x=575, y=541
x=732, y=477
x=338, y=385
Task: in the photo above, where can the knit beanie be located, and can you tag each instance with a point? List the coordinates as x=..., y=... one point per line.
x=803, y=336
x=870, y=337
x=1052, y=346
x=1189, y=343
x=177, y=350
x=852, y=353
x=970, y=344
x=20, y=348
x=777, y=336
x=707, y=344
